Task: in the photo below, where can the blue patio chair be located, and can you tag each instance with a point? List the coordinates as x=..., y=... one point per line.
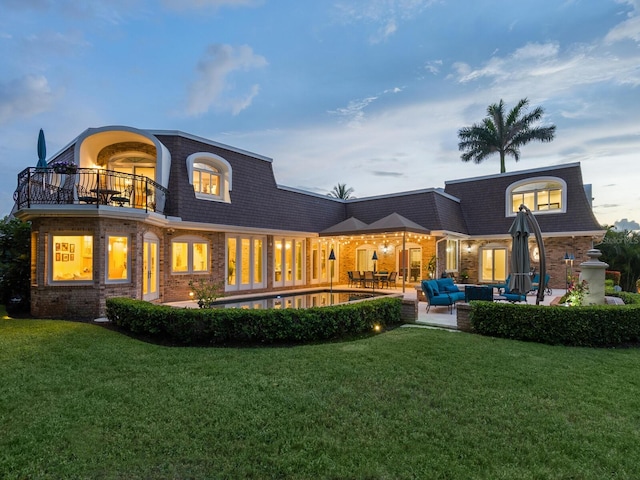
x=441, y=293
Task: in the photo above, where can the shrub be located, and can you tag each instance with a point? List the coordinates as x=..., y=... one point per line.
x=593, y=326
x=189, y=326
x=612, y=275
x=15, y=264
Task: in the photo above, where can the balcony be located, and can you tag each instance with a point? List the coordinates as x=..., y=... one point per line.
x=88, y=186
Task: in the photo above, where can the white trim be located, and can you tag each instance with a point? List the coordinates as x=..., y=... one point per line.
x=190, y=240
x=106, y=259
x=213, y=143
x=219, y=163
x=514, y=173
x=525, y=181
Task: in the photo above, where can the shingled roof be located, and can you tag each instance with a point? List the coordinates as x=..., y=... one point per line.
x=483, y=202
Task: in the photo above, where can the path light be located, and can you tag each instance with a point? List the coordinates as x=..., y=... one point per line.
x=377, y=328
x=332, y=258
x=373, y=280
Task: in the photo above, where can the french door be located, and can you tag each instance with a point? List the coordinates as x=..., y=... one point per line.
x=150, y=279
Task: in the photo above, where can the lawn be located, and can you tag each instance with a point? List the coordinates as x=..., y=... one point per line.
x=81, y=401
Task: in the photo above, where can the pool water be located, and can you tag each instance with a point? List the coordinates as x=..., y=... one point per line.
x=303, y=300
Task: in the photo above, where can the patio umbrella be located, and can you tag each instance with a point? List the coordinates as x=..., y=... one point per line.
x=42, y=151
x=520, y=280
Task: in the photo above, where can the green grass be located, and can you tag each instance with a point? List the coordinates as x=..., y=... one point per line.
x=80, y=401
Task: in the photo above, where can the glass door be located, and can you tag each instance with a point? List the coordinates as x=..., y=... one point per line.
x=150, y=269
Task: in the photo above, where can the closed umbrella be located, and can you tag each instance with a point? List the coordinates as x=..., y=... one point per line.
x=520, y=279
x=42, y=151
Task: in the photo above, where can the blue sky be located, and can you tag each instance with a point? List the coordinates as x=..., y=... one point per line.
x=365, y=92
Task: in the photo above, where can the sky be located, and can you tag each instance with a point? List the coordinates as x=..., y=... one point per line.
x=370, y=93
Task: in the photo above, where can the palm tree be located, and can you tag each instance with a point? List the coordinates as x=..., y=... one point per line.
x=503, y=135
x=341, y=191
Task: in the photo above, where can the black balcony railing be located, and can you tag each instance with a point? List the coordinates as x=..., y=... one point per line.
x=88, y=186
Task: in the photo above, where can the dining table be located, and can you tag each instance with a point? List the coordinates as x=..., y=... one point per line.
x=105, y=194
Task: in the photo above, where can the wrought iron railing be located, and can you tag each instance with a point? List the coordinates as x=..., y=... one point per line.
x=88, y=186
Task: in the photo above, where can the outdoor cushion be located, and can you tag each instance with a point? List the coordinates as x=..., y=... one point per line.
x=434, y=287
x=444, y=282
x=451, y=289
x=428, y=290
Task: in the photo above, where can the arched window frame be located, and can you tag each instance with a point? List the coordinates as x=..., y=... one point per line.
x=220, y=165
x=510, y=190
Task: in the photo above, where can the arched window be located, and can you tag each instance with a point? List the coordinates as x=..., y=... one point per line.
x=542, y=194
x=210, y=176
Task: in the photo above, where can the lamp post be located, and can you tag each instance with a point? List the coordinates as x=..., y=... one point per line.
x=375, y=259
x=332, y=259
x=566, y=272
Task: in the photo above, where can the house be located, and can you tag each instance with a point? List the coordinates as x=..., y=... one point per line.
x=122, y=211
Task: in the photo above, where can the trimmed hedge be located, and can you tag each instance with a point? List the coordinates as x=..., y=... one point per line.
x=190, y=326
x=589, y=326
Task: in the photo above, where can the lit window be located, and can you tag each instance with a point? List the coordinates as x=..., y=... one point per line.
x=493, y=264
x=189, y=255
x=245, y=262
x=210, y=176
x=206, y=179
x=72, y=258
x=538, y=195
x=117, y=258
x=452, y=256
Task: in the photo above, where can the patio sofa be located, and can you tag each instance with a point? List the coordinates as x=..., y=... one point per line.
x=441, y=292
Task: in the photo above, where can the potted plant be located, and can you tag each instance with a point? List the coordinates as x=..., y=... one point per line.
x=464, y=276
x=64, y=167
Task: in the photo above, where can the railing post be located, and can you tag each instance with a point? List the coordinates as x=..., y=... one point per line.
x=29, y=188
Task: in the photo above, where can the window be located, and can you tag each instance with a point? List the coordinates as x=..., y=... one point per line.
x=206, y=179
x=493, y=264
x=319, y=270
x=71, y=258
x=210, y=176
x=189, y=255
x=245, y=262
x=288, y=261
x=452, y=256
x=117, y=258
x=364, y=258
x=545, y=194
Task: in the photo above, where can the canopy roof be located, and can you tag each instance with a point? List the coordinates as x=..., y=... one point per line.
x=391, y=223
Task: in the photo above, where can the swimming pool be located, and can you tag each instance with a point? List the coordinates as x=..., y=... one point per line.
x=299, y=300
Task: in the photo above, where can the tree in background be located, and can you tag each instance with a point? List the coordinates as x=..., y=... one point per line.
x=341, y=191
x=503, y=135
x=621, y=250
x=15, y=261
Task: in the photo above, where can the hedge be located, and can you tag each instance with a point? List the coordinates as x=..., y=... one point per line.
x=189, y=326
x=592, y=326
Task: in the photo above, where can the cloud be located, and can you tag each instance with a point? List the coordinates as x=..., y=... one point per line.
x=433, y=67
x=625, y=224
x=379, y=173
x=215, y=4
x=384, y=32
x=354, y=111
x=385, y=13
x=212, y=83
x=629, y=29
x=24, y=97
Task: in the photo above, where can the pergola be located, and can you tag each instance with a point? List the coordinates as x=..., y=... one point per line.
x=392, y=225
